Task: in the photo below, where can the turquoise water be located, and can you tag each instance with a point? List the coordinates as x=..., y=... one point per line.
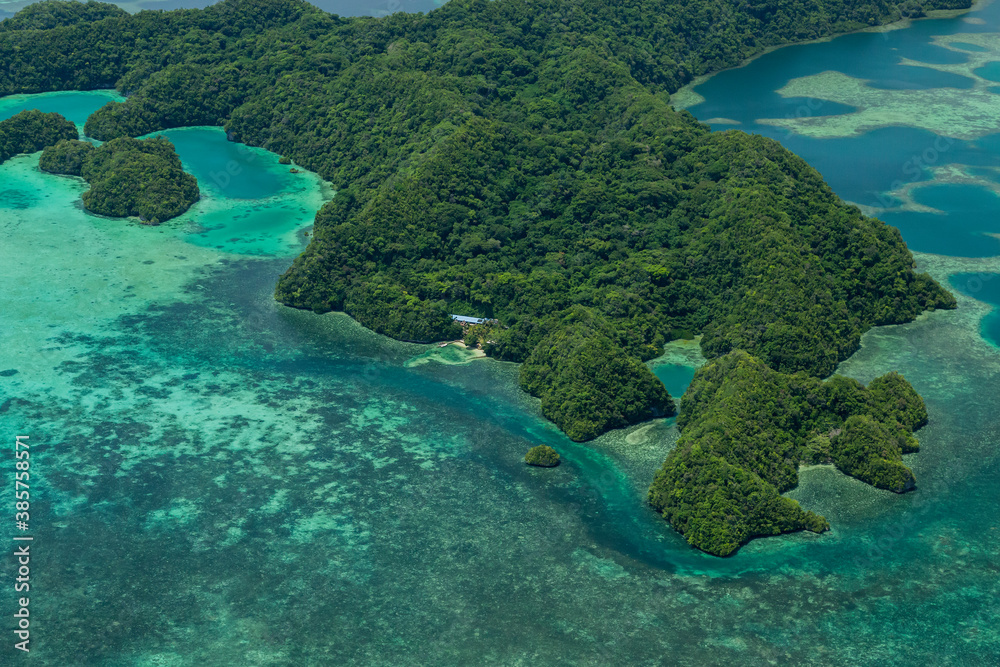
x=984, y=287
x=219, y=480
x=965, y=46
x=675, y=377
x=226, y=166
x=74, y=106
x=250, y=204
x=990, y=71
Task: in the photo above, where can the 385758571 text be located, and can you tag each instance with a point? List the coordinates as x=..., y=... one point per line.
x=22, y=551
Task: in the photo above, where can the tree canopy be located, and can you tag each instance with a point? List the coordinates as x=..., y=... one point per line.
x=56, y=13
x=31, y=130
x=519, y=160
x=128, y=177
x=66, y=157
x=745, y=428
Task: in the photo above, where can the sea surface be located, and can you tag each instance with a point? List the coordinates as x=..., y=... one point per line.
x=219, y=480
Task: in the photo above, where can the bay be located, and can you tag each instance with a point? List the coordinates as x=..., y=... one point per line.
x=222, y=480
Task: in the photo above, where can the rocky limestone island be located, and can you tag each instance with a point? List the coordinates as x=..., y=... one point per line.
x=128, y=177
x=65, y=157
x=542, y=456
x=31, y=130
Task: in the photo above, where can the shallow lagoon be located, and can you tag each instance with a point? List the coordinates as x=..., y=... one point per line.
x=222, y=480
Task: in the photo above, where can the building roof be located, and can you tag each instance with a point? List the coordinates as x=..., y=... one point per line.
x=465, y=319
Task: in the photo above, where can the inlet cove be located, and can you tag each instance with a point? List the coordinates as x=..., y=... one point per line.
x=723, y=388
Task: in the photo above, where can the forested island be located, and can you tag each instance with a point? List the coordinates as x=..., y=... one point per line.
x=519, y=160
x=31, y=130
x=141, y=178
x=65, y=157
x=127, y=177
x=745, y=428
x=44, y=15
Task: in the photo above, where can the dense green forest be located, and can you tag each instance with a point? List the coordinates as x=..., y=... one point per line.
x=745, y=429
x=30, y=131
x=128, y=177
x=45, y=15
x=519, y=160
x=66, y=157
x=542, y=456
x=587, y=382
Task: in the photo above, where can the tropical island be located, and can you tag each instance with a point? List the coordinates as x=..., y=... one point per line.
x=31, y=130
x=519, y=161
x=66, y=157
x=745, y=429
x=141, y=178
x=43, y=15
x=542, y=456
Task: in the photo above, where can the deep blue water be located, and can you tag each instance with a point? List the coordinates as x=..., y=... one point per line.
x=968, y=212
x=975, y=48
x=990, y=71
x=862, y=169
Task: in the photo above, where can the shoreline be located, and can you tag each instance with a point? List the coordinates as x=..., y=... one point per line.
x=685, y=97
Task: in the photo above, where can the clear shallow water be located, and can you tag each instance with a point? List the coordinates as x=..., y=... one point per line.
x=250, y=204
x=75, y=106
x=675, y=377
x=224, y=481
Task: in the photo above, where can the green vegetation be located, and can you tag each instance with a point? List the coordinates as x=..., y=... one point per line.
x=542, y=456
x=389, y=310
x=519, y=160
x=128, y=177
x=31, y=131
x=745, y=428
x=872, y=452
x=66, y=157
x=177, y=96
x=143, y=178
x=587, y=384
x=54, y=13
x=898, y=402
